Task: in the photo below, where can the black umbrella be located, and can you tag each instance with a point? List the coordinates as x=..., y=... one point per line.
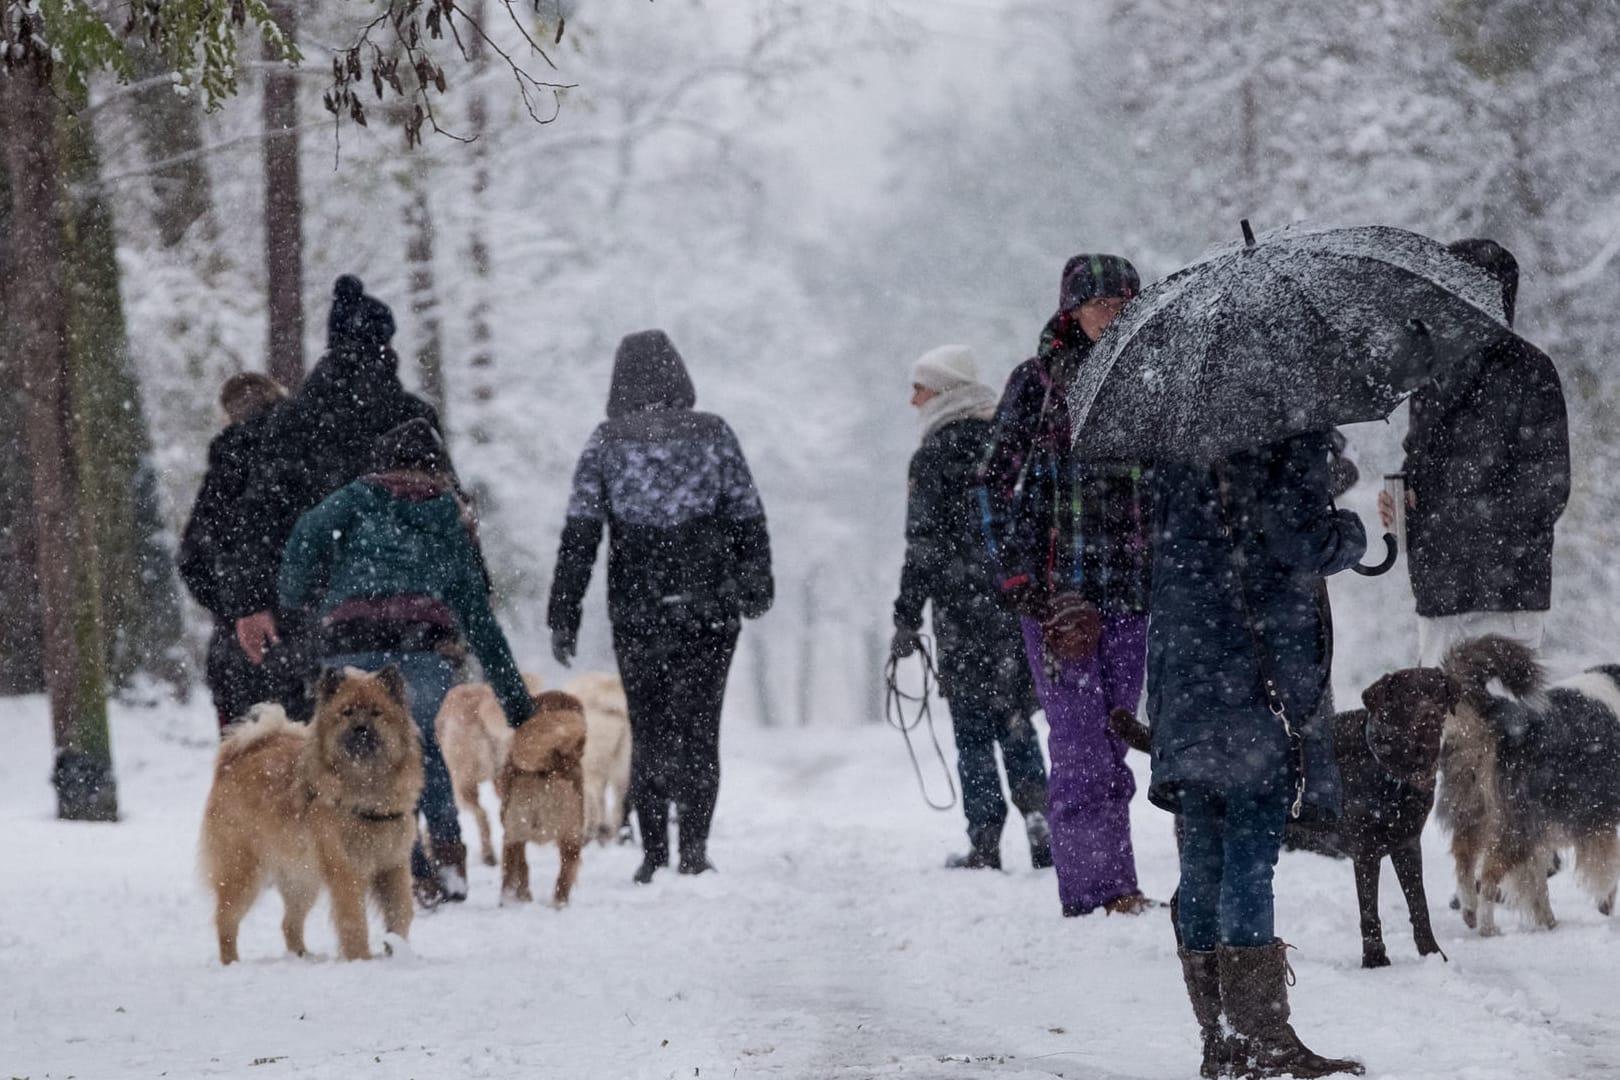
x=1302, y=330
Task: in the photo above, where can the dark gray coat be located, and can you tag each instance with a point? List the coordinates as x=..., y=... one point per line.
x=1211, y=722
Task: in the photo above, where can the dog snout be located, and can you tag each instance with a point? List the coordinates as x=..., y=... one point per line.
x=362, y=741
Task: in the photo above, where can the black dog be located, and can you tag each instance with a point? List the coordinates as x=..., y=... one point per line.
x=1388, y=755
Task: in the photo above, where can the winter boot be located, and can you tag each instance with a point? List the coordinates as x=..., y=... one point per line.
x=1254, y=994
x=1202, y=973
x=985, y=853
x=1132, y=903
x=650, y=862
x=694, y=862
x=428, y=891
x=450, y=867
x=1040, y=839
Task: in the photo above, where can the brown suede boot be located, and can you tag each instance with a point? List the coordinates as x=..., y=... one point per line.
x=1254, y=995
x=1202, y=973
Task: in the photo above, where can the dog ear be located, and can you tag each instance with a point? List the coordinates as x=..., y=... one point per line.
x=327, y=682
x=393, y=681
x=1375, y=697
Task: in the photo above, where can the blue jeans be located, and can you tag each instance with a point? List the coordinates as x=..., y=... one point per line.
x=1229, y=846
x=428, y=678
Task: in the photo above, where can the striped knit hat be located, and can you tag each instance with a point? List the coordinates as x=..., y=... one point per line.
x=1086, y=277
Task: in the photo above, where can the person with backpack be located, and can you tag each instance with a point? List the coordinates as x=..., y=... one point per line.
x=390, y=568
x=982, y=670
x=688, y=558
x=1071, y=543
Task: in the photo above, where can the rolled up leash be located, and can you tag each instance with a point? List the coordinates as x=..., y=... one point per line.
x=894, y=713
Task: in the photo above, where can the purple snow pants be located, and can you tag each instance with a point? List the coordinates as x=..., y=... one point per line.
x=1088, y=794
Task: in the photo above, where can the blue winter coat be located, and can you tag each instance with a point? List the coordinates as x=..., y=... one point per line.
x=1211, y=722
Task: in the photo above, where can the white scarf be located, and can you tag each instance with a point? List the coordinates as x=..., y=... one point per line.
x=963, y=401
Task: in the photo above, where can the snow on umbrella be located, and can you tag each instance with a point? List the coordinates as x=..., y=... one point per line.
x=1302, y=330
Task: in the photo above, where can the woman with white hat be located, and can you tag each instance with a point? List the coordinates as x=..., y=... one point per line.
x=983, y=673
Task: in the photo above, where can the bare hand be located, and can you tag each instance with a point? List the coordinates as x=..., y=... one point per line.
x=256, y=633
x=1386, y=506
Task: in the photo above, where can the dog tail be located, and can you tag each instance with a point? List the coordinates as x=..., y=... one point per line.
x=1135, y=734
x=1472, y=664
x=262, y=721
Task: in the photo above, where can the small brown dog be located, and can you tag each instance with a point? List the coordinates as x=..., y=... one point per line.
x=475, y=738
x=542, y=792
x=331, y=805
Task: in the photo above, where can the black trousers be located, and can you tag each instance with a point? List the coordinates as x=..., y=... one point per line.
x=237, y=683
x=674, y=668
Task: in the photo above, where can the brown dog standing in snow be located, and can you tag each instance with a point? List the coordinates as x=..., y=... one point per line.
x=542, y=790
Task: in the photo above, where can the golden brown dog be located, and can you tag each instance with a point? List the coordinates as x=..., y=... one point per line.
x=607, y=751
x=543, y=794
x=474, y=735
x=331, y=805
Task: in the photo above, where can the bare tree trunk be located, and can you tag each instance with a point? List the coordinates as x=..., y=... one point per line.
x=171, y=129
x=482, y=358
x=424, y=296
x=284, y=214
x=67, y=563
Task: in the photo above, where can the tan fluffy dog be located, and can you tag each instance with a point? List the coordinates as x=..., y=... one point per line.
x=607, y=751
x=474, y=736
x=331, y=805
x=543, y=794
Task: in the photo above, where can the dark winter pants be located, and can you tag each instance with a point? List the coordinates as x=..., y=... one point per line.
x=236, y=683
x=981, y=719
x=674, y=671
x=1229, y=846
x=428, y=678
x=1088, y=798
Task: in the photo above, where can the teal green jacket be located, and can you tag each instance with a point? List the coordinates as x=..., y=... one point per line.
x=364, y=543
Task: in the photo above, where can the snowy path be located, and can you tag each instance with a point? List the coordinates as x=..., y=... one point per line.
x=828, y=946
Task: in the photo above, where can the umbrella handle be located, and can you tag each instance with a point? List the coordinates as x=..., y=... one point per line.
x=1390, y=553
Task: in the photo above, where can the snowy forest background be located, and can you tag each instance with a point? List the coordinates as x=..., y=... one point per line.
x=806, y=194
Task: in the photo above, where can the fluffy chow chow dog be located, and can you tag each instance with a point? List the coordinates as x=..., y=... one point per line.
x=331, y=805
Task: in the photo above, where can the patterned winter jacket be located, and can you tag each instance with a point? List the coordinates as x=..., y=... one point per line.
x=1055, y=524
x=686, y=530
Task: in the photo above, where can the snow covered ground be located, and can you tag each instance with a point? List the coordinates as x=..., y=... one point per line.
x=830, y=945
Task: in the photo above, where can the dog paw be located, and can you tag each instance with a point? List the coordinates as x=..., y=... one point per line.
x=1489, y=931
x=1606, y=907
x=489, y=859
x=395, y=946
x=1470, y=919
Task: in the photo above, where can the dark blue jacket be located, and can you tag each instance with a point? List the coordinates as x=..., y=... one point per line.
x=1211, y=722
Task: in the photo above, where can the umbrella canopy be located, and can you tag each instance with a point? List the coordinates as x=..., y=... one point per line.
x=1301, y=330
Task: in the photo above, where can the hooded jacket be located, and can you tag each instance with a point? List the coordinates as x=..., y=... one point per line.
x=390, y=553
x=1487, y=458
x=1054, y=524
x=686, y=530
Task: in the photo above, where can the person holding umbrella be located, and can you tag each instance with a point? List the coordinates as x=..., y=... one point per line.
x=1487, y=477
x=981, y=664
x=1230, y=376
x=1069, y=536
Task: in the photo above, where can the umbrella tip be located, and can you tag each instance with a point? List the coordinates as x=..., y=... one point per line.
x=1248, y=234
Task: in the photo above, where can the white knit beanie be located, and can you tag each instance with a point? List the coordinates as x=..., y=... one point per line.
x=947, y=366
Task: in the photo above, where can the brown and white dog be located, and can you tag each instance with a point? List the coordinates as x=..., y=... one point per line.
x=475, y=737
x=607, y=751
x=542, y=792
x=1524, y=775
x=331, y=805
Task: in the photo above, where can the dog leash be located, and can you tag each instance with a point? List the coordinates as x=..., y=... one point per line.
x=894, y=711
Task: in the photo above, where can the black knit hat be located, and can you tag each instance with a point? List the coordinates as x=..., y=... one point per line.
x=1496, y=261
x=357, y=319
x=412, y=445
x=1087, y=277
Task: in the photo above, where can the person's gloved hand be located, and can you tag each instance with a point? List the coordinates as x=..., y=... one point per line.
x=752, y=603
x=904, y=643
x=564, y=643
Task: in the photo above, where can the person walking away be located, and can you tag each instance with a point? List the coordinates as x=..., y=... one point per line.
x=1241, y=551
x=983, y=674
x=688, y=554
x=1487, y=477
x=215, y=524
x=389, y=565
x=314, y=444
x=1070, y=540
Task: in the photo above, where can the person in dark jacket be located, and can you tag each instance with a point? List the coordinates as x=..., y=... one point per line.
x=1240, y=552
x=313, y=444
x=982, y=669
x=1070, y=539
x=1487, y=477
x=390, y=568
x=688, y=554
x=214, y=526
